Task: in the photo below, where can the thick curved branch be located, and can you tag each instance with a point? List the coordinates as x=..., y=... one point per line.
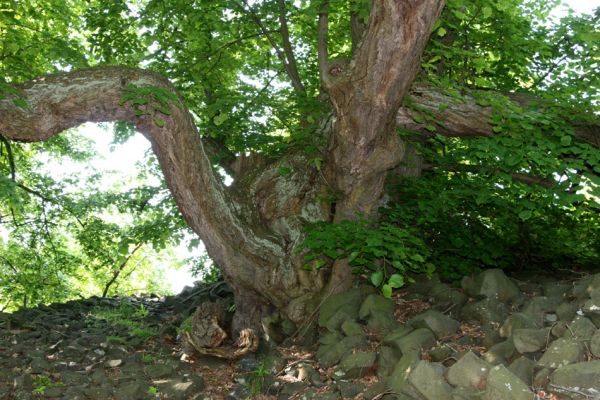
x=62, y=101
x=465, y=117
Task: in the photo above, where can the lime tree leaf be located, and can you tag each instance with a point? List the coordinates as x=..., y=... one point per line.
x=377, y=278
x=525, y=215
x=396, y=281
x=386, y=291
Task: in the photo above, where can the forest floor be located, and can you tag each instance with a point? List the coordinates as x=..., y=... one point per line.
x=541, y=338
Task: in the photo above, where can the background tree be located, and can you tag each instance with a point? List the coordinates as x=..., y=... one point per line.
x=306, y=107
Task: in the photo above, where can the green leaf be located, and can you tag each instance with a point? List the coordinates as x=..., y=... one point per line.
x=487, y=12
x=220, y=119
x=441, y=31
x=396, y=281
x=417, y=257
x=386, y=291
x=159, y=122
x=565, y=140
x=525, y=215
x=377, y=278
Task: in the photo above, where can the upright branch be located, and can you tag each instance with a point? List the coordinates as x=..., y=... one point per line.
x=357, y=25
x=322, y=42
x=289, y=62
x=291, y=66
x=366, y=95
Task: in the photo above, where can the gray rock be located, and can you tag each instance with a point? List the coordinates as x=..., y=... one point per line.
x=556, y=289
x=523, y=368
x=113, y=363
x=428, y=380
x=447, y=299
x=559, y=329
x=504, y=385
x=156, y=371
x=53, y=392
x=562, y=352
x=413, y=342
x=438, y=323
x=485, y=311
x=40, y=365
x=381, y=323
x=180, y=389
x=492, y=284
x=500, y=353
x=352, y=328
x=580, y=328
x=98, y=393
x=348, y=302
x=387, y=359
x=577, y=381
x=518, y=321
x=491, y=336
x=462, y=393
x=440, y=353
x=376, y=302
x=541, y=377
x=586, y=286
x=356, y=365
x=329, y=355
x=396, y=334
x=330, y=337
x=423, y=284
x=468, y=371
x=349, y=390
x=541, y=304
x=530, y=340
x=398, y=381
x=291, y=388
x=591, y=307
x=136, y=390
x=566, y=311
x=595, y=344
x=335, y=322
x=72, y=378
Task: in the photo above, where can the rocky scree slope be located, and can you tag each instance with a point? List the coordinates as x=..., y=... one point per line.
x=494, y=338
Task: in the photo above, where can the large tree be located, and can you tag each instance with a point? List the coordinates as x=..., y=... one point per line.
x=318, y=141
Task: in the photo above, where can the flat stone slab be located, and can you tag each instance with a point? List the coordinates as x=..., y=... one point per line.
x=562, y=352
x=414, y=341
x=440, y=324
x=492, y=284
x=469, y=371
x=518, y=321
x=577, y=381
x=530, y=340
x=504, y=385
x=357, y=365
x=427, y=378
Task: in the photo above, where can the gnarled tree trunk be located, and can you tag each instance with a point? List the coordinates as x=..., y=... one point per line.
x=252, y=229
